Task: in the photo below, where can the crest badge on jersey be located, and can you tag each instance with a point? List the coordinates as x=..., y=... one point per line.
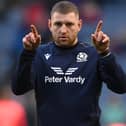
x=82, y=57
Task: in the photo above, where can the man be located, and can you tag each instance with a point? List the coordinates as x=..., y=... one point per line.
x=66, y=74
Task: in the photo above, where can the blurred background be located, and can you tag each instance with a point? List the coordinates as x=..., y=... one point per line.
x=15, y=19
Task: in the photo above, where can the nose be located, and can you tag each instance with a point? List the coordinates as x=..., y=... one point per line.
x=63, y=29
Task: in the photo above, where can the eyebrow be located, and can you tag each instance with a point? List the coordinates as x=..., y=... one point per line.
x=66, y=22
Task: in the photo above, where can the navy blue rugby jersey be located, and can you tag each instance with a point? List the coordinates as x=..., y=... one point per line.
x=67, y=82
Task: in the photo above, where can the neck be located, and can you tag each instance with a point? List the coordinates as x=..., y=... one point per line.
x=75, y=42
x=68, y=46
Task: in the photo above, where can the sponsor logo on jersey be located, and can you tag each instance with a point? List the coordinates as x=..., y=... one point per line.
x=59, y=71
x=65, y=76
x=67, y=79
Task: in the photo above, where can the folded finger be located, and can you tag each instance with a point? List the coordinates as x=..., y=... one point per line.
x=106, y=39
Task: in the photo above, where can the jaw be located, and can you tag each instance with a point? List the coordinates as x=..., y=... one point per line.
x=66, y=43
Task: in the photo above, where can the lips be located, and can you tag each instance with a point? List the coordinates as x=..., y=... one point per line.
x=63, y=38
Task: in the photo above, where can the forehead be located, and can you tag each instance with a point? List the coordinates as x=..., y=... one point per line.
x=64, y=17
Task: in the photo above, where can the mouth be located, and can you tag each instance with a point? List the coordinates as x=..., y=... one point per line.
x=63, y=38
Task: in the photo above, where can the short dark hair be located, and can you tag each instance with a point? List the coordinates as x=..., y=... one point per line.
x=64, y=7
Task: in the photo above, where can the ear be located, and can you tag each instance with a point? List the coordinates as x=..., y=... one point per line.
x=80, y=24
x=49, y=24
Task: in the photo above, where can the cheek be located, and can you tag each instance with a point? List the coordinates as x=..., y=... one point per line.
x=55, y=34
x=74, y=32
x=54, y=30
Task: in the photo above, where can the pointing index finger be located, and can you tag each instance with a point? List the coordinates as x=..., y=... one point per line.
x=99, y=26
x=34, y=30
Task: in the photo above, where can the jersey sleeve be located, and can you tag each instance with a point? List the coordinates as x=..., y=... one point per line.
x=112, y=74
x=21, y=81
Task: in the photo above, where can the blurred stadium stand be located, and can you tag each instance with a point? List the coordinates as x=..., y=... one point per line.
x=15, y=18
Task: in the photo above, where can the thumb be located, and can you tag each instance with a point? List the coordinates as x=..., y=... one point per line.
x=39, y=38
x=93, y=38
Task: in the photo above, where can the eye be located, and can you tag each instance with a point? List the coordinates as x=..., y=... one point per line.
x=69, y=24
x=58, y=24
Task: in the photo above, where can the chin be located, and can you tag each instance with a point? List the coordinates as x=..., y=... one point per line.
x=62, y=43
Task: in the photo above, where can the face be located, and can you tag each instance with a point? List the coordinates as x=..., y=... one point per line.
x=65, y=28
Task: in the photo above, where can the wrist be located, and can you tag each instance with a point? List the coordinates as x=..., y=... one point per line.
x=104, y=53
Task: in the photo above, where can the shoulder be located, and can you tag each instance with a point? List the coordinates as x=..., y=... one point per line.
x=84, y=44
x=87, y=46
x=45, y=47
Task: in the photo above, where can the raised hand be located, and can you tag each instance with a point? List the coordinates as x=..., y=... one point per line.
x=100, y=39
x=32, y=40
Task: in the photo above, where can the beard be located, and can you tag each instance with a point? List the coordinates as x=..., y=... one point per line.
x=65, y=42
